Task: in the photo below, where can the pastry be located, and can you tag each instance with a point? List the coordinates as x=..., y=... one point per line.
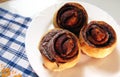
x=1, y=1
x=59, y=49
x=97, y=39
x=71, y=16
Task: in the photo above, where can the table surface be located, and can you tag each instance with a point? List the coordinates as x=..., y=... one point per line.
x=30, y=7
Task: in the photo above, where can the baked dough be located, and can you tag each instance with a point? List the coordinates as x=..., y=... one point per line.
x=98, y=39
x=71, y=16
x=60, y=49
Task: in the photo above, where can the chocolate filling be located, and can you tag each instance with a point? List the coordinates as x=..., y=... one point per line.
x=59, y=46
x=99, y=34
x=72, y=16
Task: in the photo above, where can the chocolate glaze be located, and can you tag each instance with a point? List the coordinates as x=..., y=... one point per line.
x=59, y=46
x=72, y=16
x=99, y=34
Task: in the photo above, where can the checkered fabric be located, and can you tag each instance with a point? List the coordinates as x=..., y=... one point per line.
x=12, y=47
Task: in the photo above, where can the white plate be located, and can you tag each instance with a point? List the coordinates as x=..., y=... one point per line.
x=87, y=67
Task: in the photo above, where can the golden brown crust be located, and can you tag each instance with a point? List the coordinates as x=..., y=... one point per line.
x=62, y=66
x=103, y=36
x=3, y=1
x=71, y=16
x=59, y=49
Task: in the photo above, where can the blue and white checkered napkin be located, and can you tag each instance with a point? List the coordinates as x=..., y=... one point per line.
x=12, y=47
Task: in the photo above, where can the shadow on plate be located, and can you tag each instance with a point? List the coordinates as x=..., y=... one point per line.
x=109, y=64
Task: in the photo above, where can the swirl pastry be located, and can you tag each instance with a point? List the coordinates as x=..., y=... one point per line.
x=59, y=49
x=97, y=39
x=71, y=16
